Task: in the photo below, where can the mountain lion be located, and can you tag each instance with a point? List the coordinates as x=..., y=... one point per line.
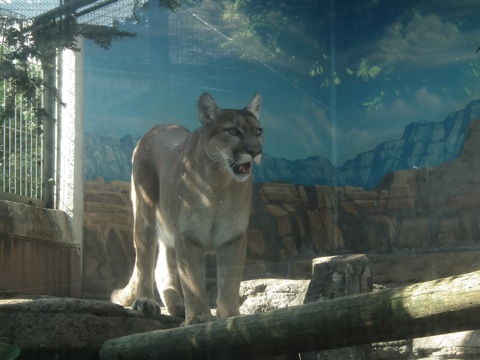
x=191, y=195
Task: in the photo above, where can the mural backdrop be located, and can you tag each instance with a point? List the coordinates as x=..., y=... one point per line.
x=369, y=109
x=351, y=91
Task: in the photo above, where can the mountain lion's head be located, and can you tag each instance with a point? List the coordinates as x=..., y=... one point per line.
x=234, y=138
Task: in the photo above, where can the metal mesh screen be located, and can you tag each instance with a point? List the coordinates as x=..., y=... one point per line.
x=27, y=9
x=196, y=33
x=102, y=12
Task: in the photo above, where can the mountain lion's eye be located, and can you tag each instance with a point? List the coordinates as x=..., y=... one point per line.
x=259, y=131
x=233, y=131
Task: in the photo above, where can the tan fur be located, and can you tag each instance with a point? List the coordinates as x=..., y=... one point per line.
x=190, y=197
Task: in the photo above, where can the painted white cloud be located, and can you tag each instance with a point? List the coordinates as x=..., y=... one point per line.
x=309, y=130
x=400, y=108
x=425, y=41
x=305, y=130
x=312, y=132
x=312, y=128
x=411, y=108
x=425, y=100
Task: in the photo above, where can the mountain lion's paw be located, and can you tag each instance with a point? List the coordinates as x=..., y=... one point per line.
x=198, y=320
x=147, y=306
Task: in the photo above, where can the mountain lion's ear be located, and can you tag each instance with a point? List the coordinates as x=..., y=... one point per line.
x=255, y=106
x=207, y=109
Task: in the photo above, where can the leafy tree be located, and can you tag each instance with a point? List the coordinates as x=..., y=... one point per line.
x=294, y=35
x=317, y=40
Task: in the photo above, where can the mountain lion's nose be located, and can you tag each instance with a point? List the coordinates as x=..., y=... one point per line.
x=254, y=152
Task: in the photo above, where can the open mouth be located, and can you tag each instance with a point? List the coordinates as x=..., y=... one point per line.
x=242, y=169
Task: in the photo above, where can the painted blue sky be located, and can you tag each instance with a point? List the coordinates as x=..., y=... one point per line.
x=336, y=78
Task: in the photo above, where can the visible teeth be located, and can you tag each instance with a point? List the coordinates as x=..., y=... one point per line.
x=243, y=168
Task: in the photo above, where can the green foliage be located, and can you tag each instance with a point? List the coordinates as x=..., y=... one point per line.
x=170, y=4
x=103, y=36
x=273, y=32
x=297, y=38
x=366, y=71
x=376, y=102
x=317, y=69
x=473, y=69
x=174, y=5
x=17, y=67
x=259, y=29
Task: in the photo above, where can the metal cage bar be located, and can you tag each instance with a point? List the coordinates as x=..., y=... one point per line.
x=22, y=150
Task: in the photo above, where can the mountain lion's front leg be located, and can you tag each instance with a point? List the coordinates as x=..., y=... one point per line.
x=191, y=269
x=230, y=261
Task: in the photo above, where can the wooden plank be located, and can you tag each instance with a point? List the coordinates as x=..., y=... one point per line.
x=431, y=308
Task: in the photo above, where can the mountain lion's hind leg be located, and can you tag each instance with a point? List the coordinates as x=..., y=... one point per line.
x=146, y=246
x=166, y=277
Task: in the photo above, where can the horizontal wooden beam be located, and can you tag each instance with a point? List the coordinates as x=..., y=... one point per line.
x=424, y=309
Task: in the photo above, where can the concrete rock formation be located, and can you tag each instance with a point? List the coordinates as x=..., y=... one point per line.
x=50, y=327
x=47, y=327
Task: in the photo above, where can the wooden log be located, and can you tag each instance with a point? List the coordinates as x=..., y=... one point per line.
x=431, y=308
x=335, y=277
x=338, y=276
